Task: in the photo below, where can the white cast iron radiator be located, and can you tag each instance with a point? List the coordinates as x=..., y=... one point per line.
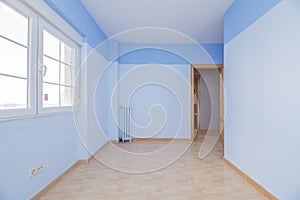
x=124, y=121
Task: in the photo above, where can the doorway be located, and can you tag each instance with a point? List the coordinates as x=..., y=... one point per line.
x=198, y=82
x=197, y=102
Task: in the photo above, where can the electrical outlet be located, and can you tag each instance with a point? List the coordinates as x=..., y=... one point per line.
x=36, y=170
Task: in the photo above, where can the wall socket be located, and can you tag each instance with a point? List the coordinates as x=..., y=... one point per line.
x=36, y=170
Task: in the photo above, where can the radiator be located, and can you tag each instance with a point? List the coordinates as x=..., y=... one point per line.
x=124, y=122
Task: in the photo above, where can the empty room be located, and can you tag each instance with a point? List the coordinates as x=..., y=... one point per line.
x=145, y=99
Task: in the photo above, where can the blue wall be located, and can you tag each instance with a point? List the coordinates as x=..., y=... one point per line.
x=153, y=94
x=243, y=13
x=74, y=12
x=25, y=143
x=171, y=53
x=151, y=56
x=53, y=139
x=262, y=96
x=159, y=90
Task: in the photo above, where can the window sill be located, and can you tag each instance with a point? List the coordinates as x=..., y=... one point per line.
x=39, y=115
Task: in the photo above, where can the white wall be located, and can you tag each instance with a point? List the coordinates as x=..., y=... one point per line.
x=209, y=98
x=262, y=68
x=97, y=80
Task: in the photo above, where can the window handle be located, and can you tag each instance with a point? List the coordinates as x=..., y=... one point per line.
x=43, y=69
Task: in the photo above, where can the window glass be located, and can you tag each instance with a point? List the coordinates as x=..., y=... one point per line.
x=51, y=75
x=51, y=45
x=13, y=59
x=58, y=70
x=67, y=54
x=66, y=75
x=50, y=95
x=13, y=93
x=66, y=96
x=37, y=63
x=13, y=25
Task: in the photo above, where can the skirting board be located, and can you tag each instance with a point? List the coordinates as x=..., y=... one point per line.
x=60, y=177
x=206, y=129
x=57, y=180
x=160, y=139
x=250, y=180
x=92, y=157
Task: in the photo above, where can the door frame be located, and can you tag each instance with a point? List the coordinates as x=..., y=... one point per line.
x=220, y=67
x=192, y=101
x=197, y=79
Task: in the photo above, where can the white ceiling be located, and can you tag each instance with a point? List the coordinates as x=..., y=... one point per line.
x=201, y=20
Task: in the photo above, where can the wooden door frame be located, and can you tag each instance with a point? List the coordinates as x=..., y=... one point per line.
x=221, y=70
x=192, y=67
x=192, y=101
x=220, y=67
x=198, y=78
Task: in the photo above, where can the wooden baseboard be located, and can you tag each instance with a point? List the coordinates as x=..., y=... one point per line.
x=92, y=157
x=55, y=181
x=160, y=139
x=114, y=141
x=250, y=180
x=211, y=129
x=60, y=177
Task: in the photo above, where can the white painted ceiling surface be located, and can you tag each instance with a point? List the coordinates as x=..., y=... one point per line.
x=201, y=20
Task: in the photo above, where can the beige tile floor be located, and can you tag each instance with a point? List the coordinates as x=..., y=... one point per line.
x=187, y=178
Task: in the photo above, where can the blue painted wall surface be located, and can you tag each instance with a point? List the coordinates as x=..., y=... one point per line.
x=243, y=13
x=150, y=95
x=53, y=139
x=151, y=56
x=153, y=93
x=262, y=98
x=171, y=53
x=25, y=143
x=74, y=12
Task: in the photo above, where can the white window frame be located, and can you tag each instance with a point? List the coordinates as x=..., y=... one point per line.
x=39, y=14
x=44, y=25
x=31, y=62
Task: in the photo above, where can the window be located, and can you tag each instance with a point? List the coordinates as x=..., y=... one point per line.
x=16, y=47
x=57, y=70
x=37, y=64
x=13, y=72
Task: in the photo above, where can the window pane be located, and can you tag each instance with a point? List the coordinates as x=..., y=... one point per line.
x=50, y=95
x=52, y=73
x=66, y=96
x=13, y=93
x=66, y=75
x=13, y=25
x=67, y=54
x=13, y=59
x=51, y=45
